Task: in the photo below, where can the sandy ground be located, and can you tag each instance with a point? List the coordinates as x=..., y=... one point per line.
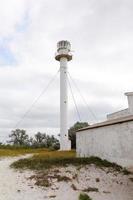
x=14, y=184
x=111, y=185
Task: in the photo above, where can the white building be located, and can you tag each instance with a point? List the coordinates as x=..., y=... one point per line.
x=111, y=139
x=126, y=112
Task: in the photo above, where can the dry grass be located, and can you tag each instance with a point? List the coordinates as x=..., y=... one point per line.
x=19, y=151
x=55, y=154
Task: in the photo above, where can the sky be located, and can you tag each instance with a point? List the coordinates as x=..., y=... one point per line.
x=101, y=36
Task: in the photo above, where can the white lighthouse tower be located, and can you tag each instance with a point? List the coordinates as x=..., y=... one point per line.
x=64, y=55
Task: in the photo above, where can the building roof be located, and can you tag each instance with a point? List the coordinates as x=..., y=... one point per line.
x=129, y=93
x=108, y=123
x=117, y=112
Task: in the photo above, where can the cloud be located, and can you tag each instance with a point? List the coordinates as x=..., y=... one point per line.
x=6, y=57
x=11, y=12
x=101, y=36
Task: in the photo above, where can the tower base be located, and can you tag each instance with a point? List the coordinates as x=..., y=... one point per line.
x=65, y=146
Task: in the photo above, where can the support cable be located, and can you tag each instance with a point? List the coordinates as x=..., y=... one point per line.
x=76, y=107
x=36, y=99
x=89, y=109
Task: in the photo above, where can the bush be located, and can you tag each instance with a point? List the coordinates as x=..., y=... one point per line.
x=84, y=196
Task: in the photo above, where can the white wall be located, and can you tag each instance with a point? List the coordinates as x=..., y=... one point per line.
x=112, y=142
x=130, y=101
x=121, y=113
x=125, y=112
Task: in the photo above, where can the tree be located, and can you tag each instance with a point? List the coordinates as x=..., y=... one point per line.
x=40, y=140
x=19, y=137
x=44, y=140
x=72, y=132
x=52, y=142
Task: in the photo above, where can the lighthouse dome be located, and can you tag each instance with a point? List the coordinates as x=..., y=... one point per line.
x=64, y=44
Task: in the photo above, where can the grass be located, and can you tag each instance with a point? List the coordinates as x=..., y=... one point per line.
x=45, y=160
x=55, y=154
x=84, y=196
x=49, y=159
x=20, y=151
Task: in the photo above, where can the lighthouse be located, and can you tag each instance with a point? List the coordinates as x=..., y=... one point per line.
x=63, y=55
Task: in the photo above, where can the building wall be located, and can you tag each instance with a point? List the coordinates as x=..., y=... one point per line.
x=112, y=142
x=125, y=112
x=130, y=102
x=121, y=113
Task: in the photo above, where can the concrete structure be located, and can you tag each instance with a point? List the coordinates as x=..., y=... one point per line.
x=112, y=139
x=63, y=55
x=125, y=112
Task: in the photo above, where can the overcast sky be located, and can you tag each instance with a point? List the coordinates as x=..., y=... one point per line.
x=101, y=35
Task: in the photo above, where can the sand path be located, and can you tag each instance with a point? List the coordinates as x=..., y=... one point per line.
x=13, y=184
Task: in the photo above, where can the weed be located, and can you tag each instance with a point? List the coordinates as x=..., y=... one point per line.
x=126, y=172
x=75, y=176
x=90, y=189
x=131, y=179
x=106, y=192
x=84, y=196
x=56, y=171
x=97, y=179
x=43, y=182
x=62, y=178
x=52, y=196
x=73, y=187
x=44, y=179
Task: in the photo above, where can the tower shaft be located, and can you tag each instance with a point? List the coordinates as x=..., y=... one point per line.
x=63, y=55
x=64, y=142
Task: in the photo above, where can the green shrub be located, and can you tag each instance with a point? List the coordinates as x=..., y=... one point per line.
x=84, y=196
x=56, y=158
